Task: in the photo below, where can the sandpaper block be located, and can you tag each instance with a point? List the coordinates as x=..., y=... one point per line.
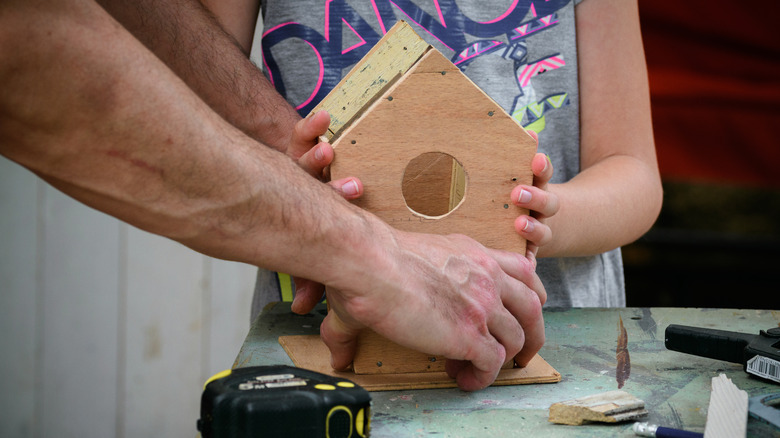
x=608, y=407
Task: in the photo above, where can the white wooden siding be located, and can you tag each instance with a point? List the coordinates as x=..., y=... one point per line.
x=106, y=330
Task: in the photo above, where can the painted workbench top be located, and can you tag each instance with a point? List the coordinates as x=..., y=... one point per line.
x=581, y=345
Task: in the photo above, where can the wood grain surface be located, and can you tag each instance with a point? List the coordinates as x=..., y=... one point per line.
x=435, y=108
x=309, y=352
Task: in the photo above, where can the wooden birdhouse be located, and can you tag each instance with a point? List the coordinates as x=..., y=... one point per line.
x=435, y=154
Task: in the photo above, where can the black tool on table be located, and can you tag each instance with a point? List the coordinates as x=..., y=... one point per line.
x=759, y=354
x=283, y=401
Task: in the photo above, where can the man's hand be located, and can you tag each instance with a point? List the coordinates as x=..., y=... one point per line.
x=314, y=157
x=305, y=148
x=541, y=203
x=444, y=295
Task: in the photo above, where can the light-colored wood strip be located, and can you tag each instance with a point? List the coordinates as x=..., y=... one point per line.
x=390, y=58
x=457, y=185
x=728, y=410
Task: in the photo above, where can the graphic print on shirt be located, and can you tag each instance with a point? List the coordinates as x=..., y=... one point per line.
x=346, y=36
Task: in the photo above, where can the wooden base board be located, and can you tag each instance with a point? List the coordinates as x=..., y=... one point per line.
x=309, y=352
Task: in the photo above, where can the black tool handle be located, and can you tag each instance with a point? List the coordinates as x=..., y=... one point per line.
x=711, y=343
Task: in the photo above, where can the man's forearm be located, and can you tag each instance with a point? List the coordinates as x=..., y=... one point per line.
x=238, y=18
x=85, y=106
x=187, y=37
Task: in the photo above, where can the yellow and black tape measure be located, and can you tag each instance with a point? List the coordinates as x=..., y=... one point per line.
x=283, y=401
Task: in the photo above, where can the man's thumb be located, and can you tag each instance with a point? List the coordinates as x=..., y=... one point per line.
x=341, y=340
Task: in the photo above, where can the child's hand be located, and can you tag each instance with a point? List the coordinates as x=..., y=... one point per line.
x=541, y=203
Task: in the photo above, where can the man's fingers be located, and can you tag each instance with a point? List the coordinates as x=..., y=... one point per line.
x=306, y=134
x=483, y=369
x=307, y=130
x=506, y=328
x=534, y=340
x=341, y=340
x=521, y=269
x=525, y=304
x=453, y=367
x=471, y=378
x=307, y=294
x=523, y=296
x=315, y=160
x=518, y=331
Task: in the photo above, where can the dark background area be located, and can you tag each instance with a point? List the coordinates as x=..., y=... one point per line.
x=714, y=69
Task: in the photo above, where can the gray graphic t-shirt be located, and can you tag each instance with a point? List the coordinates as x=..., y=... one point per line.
x=522, y=53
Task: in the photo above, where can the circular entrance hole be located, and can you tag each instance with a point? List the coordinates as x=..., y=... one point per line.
x=434, y=184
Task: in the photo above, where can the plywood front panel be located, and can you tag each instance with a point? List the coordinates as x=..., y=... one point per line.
x=435, y=108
